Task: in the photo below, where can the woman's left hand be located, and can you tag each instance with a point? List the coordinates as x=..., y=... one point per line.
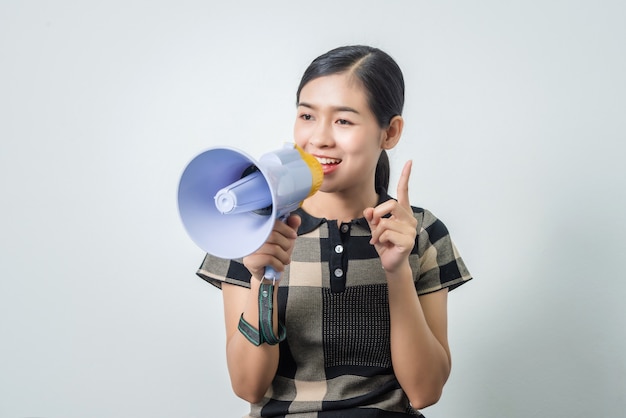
x=394, y=236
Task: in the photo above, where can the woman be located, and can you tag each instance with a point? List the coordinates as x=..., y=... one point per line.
x=362, y=305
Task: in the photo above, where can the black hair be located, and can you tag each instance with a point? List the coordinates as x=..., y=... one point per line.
x=381, y=78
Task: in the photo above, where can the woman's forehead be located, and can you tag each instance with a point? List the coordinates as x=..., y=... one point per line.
x=337, y=90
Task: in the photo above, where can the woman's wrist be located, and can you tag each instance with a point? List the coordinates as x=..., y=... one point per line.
x=267, y=331
x=403, y=270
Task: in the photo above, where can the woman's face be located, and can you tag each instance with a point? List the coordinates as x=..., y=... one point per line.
x=335, y=124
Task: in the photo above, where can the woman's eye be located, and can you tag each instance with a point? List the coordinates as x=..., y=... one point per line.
x=306, y=116
x=343, y=122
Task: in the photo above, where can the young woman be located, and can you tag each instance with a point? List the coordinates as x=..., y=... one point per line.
x=360, y=325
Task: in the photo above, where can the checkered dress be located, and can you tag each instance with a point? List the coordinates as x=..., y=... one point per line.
x=336, y=360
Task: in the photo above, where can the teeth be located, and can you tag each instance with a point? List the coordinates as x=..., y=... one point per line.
x=328, y=160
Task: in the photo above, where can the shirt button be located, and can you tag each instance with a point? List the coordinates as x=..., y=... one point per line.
x=338, y=272
x=339, y=249
x=345, y=228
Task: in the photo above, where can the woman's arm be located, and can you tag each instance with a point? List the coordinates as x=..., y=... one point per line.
x=252, y=368
x=419, y=342
x=420, y=352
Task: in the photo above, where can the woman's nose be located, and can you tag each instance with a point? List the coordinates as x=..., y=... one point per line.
x=322, y=136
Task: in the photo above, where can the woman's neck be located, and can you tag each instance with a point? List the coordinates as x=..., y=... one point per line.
x=342, y=207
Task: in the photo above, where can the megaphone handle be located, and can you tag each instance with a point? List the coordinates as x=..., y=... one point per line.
x=270, y=273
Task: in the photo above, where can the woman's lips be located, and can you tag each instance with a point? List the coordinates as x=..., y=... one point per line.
x=328, y=164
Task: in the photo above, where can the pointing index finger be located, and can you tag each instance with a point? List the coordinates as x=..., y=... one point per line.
x=403, y=185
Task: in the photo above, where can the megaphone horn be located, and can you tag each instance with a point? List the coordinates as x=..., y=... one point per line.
x=228, y=202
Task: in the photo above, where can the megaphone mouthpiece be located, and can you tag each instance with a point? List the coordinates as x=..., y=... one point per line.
x=317, y=172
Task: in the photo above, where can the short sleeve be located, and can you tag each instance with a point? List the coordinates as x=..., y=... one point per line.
x=440, y=265
x=218, y=270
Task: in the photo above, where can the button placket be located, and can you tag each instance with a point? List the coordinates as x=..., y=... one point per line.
x=338, y=262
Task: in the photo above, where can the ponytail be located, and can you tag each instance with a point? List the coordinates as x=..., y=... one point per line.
x=381, y=178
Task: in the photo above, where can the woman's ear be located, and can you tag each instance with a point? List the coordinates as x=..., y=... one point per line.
x=393, y=132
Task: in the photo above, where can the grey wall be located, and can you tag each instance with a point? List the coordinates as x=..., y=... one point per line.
x=515, y=119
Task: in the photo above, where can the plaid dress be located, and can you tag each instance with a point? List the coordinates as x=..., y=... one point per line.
x=332, y=298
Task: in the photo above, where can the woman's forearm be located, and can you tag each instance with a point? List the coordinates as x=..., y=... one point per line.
x=251, y=368
x=421, y=362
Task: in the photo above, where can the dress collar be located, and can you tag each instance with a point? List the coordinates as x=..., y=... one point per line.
x=310, y=222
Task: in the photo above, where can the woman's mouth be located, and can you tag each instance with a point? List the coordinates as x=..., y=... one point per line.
x=328, y=164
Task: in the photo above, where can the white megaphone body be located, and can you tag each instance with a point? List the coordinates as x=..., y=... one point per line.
x=228, y=202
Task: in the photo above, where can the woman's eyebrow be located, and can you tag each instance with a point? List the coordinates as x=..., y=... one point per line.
x=333, y=108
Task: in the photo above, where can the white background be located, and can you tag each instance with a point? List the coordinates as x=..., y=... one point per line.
x=515, y=118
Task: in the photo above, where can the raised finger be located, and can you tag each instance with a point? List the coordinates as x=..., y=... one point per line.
x=403, y=185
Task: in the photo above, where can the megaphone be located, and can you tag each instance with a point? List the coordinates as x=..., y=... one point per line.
x=228, y=202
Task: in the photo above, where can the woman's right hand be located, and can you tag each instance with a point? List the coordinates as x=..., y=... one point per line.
x=276, y=251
